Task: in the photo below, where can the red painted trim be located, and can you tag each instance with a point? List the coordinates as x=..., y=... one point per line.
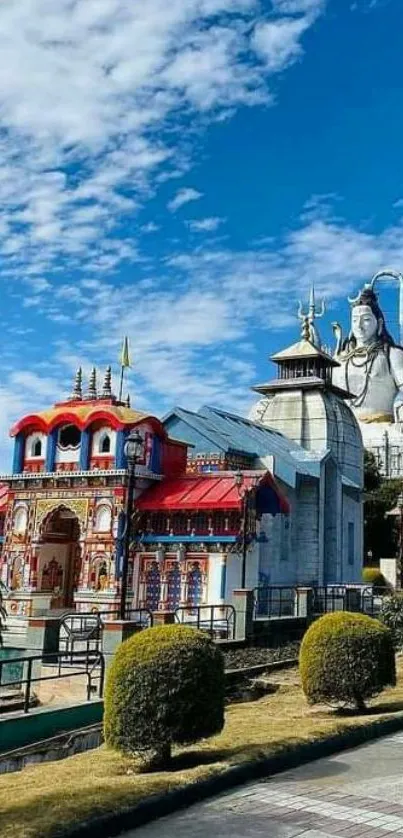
x=35, y=422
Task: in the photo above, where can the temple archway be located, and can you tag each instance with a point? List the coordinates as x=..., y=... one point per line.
x=59, y=556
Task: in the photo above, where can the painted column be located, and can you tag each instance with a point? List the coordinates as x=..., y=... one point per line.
x=120, y=453
x=18, y=458
x=85, y=450
x=155, y=464
x=51, y=450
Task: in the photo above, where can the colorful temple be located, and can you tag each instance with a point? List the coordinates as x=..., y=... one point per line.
x=64, y=513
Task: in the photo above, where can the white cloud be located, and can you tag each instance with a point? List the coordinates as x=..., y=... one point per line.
x=205, y=225
x=91, y=126
x=306, y=7
x=184, y=196
x=278, y=41
x=150, y=227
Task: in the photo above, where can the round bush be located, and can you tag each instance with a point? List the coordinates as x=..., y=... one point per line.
x=165, y=685
x=346, y=658
x=373, y=576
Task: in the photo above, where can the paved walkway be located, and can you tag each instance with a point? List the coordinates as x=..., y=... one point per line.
x=356, y=794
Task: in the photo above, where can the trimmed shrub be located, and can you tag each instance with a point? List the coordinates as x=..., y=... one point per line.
x=165, y=686
x=391, y=614
x=345, y=659
x=373, y=576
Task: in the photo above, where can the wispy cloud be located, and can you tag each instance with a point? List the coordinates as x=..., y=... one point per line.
x=206, y=225
x=182, y=197
x=150, y=227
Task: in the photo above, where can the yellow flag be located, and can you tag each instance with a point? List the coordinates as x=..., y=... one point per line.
x=124, y=357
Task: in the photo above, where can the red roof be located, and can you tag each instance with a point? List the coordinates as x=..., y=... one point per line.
x=208, y=491
x=3, y=498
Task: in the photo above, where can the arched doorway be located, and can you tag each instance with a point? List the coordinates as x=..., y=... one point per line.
x=59, y=556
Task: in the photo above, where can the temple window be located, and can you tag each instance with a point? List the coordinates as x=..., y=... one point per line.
x=174, y=587
x=105, y=444
x=153, y=586
x=20, y=520
x=103, y=519
x=200, y=522
x=69, y=437
x=179, y=523
x=194, y=585
x=36, y=448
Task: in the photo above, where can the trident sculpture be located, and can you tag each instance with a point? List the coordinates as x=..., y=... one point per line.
x=309, y=330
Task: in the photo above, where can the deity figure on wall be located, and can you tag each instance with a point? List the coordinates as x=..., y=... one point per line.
x=371, y=363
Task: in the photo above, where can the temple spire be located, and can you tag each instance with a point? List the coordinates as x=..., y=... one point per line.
x=92, y=385
x=107, y=388
x=128, y=400
x=77, y=393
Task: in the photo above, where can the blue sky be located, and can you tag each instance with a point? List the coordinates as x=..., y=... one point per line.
x=181, y=172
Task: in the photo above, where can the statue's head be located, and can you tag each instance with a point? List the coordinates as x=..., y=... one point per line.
x=367, y=321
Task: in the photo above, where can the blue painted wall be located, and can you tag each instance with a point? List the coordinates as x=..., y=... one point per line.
x=18, y=454
x=51, y=450
x=85, y=450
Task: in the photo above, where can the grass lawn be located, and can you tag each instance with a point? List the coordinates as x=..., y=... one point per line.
x=38, y=801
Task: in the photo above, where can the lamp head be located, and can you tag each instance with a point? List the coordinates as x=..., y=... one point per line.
x=133, y=446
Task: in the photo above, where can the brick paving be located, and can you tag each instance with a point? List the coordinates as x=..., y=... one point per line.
x=355, y=794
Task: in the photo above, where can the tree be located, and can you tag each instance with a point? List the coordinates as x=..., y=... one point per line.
x=372, y=477
x=380, y=496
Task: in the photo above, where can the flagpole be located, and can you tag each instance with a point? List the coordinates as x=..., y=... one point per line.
x=122, y=370
x=124, y=362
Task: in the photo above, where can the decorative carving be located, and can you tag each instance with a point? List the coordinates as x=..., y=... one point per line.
x=77, y=505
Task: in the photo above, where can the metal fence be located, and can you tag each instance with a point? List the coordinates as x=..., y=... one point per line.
x=272, y=601
x=218, y=620
x=276, y=601
x=82, y=631
x=90, y=664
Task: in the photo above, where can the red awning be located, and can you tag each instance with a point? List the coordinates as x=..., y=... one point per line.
x=210, y=491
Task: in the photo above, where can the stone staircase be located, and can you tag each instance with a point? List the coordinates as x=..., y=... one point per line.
x=14, y=634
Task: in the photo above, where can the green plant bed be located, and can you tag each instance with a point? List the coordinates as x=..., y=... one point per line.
x=38, y=800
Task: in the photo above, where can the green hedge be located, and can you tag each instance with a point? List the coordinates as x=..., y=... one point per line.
x=165, y=686
x=345, y=659
x=373, y=576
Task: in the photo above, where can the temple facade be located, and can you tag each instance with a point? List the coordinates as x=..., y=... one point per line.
x=64, y=514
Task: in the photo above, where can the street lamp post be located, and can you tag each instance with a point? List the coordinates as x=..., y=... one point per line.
x=133, y=448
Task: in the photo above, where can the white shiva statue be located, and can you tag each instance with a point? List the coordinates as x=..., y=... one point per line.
x=371, y=363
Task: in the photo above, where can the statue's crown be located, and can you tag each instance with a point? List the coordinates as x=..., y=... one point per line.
x=365, y=297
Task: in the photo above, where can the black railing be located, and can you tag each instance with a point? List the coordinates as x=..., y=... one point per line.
x=218, y=620
x=82, y=631
x=276, y=601
x=327, y=599
x=372, y=600
x=91, y=664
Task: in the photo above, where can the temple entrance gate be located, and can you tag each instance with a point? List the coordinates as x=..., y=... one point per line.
x=59, y=556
